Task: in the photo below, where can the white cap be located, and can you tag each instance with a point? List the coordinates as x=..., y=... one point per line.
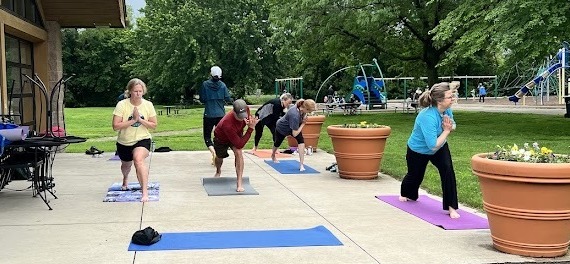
x=216, y=71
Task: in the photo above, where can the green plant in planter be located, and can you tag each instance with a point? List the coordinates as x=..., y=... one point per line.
x=362, y=124
x=528, y=153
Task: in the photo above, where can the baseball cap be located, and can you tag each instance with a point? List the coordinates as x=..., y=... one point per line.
x=240, y=108
x=216, y=71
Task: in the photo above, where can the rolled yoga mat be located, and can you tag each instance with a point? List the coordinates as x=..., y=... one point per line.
x=13, y=134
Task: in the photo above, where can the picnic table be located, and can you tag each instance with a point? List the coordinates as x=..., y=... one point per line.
x=168, y=108
x=348, y=108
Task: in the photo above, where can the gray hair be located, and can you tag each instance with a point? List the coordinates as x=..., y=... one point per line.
x=286, y=96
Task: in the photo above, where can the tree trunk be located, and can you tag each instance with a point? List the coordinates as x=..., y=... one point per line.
x=432, y=57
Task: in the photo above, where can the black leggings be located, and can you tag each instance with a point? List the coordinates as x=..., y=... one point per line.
x=278, y=138
x=270, y=123
x=417, y=164
x=208, y=126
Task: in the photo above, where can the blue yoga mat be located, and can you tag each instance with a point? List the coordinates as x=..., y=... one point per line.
x=317, y=236
x=290, y=167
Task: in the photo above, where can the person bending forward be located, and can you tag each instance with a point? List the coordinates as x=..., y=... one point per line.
x=228, y=134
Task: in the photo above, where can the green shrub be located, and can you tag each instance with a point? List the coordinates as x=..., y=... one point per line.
x=258, y=100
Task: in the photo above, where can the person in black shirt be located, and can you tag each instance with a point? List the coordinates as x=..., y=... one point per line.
x=268, y=115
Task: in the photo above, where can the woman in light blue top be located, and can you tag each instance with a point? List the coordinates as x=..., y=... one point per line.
x=428, y=143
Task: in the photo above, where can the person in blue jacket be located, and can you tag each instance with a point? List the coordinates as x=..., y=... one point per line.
x=428, y=143
x=214, y=94
x=482, y=92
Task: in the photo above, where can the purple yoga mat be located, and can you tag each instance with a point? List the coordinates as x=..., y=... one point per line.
x=430, y=210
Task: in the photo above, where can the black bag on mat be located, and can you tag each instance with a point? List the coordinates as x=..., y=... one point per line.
x=147, y=236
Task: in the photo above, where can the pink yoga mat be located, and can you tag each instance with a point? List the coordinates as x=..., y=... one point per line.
x=430, y=210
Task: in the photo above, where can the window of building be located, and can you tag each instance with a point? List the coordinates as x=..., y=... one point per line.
x=19, y=61
x=25, y=9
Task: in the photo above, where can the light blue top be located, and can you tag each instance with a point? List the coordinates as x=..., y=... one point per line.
x=427, y=129
x=482, y=90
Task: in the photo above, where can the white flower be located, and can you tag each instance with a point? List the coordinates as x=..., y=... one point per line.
x=535, y=145
x=526, y=156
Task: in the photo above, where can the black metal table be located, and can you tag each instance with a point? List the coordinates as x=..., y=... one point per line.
x=37, y=153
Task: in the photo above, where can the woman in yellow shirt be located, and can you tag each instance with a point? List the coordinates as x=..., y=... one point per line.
x=132, y=118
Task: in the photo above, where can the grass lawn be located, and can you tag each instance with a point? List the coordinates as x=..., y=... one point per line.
x=476, y=132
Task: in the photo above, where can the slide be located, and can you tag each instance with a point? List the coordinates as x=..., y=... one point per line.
x=530, y=85
x=563, y=56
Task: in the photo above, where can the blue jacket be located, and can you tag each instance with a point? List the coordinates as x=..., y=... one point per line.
x=214, y=95
x=482, y=90
x=427, y=129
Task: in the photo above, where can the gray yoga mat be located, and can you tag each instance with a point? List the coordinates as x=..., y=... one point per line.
x=219, y=186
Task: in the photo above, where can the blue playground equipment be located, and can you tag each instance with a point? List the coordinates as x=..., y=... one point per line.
x=562, y=62
x=369, y=90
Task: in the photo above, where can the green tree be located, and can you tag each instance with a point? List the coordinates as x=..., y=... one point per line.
x=177, y=42
x=96, y=57
x=398, y=33
x=513, y=30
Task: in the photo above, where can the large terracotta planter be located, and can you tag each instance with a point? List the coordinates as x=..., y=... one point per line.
x=527, y=204
x=358, y=151
x=311, y=132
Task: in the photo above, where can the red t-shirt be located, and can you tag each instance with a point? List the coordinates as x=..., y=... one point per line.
x=230, y=130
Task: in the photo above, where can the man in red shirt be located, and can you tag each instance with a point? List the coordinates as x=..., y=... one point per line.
x=229, y=134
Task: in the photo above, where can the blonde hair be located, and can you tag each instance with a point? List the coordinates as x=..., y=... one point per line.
x=436, y=93
x=308, y=104
x=132, y=83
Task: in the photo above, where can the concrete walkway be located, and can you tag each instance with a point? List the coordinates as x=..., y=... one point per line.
x=83, y=229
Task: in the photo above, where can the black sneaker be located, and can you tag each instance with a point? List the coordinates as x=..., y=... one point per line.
x=94, y=151
x=331, y=166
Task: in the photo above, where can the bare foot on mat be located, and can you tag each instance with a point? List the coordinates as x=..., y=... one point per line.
x=403, y=199
x=453, y=213
x=274, y=159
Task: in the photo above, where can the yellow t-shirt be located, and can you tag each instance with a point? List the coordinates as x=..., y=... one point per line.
x=137, y=131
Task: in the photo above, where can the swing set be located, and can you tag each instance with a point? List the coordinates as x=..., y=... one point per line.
x=294, y=86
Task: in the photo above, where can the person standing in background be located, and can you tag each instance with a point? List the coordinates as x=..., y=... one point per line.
x=482, y=92
x=214, y=94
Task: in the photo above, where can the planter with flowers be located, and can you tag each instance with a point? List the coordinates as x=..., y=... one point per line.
x=311, y=132
x=526, y=197
x=358, y=149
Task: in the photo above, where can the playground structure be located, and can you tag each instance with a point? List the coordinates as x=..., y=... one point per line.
x=294, y=86
x=465, y=82
x=558, y=64
x=369, y=90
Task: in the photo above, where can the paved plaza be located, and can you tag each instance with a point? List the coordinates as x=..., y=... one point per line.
x=84, y=229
